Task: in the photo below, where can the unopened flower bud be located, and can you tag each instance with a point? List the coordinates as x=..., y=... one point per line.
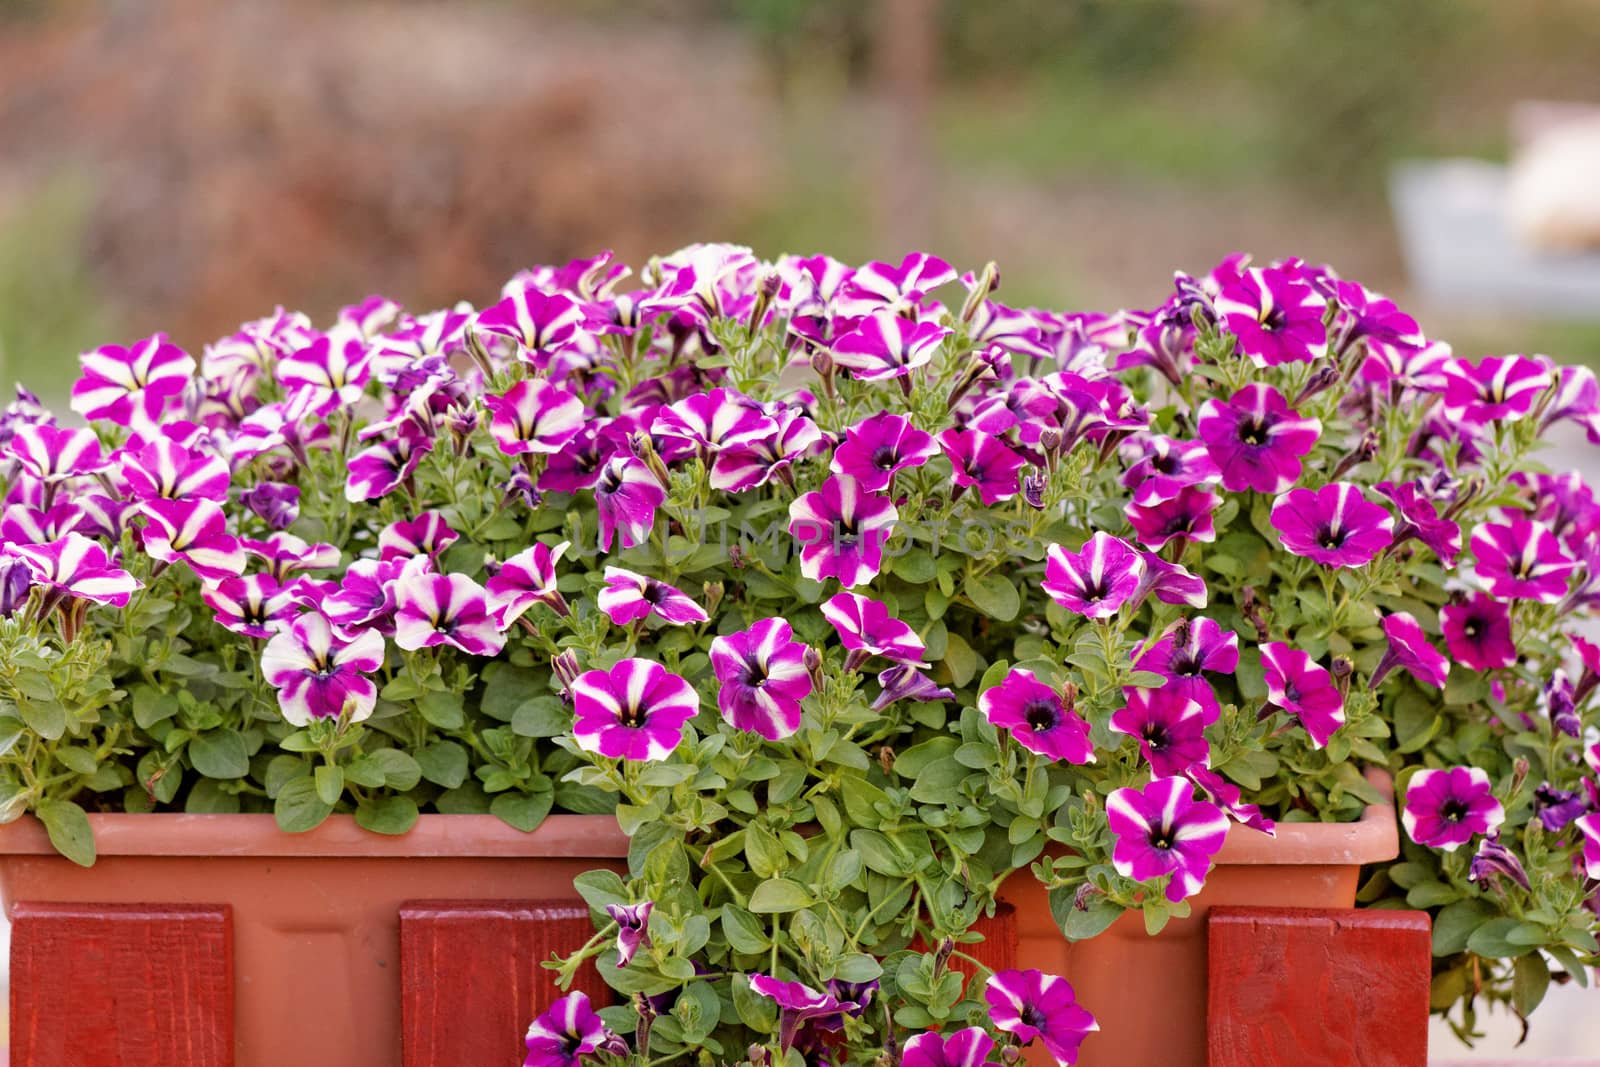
x=1033, y=487
x=713, y=592
x=15, y=581
x=886, y=759
x=1363, y=452
x=565, y=664
x=639, y=443
x=823, y=364
x=1050, y=439
x=1085, y=893
x=276, y=504
x=1321, y=379
x=520, y=486
x=1519, y=775
x=987, y=281
x=941, y=955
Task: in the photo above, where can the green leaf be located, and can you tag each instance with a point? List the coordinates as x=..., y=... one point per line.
x=779, y=895
x=220, y=754
x=959, y=657
x=1530, y=981
x=69, y=830
x=858, y=967
x=47, y=717
x=1454, y=924
x=75, y=758
x=525, y=811
x=364, y=771
x=387, y=815
x=330, y=784
x=444, y=763
x=400, y=771
x=767, y=857
x=298, y=807
x=443, y=710
x=910, y=763
x=743, y=931
x=1091, y=921
x=507, y=687
x=600, y=888
x=994, y=595
x=544, y=716
x=1489, y=940
x=878, y=853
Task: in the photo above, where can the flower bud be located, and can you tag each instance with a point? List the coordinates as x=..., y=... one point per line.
x=713, y=592
x=823, y=364
x=15, y=581
x=1363, y=452
x=275, y=504
x=641, y=446
x=520, y=486
x=987, y=281
x=1033, y=487
x=565, y=664
x=1080, y=899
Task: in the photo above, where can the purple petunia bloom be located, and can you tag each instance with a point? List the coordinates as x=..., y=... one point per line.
x=626, y=495
x=1037, y=718
x=841, y=530
x=569, y=1030
x=1589, y=828
x=875, y=448
x=1227, y=796
x=885, y=345
x=1576, y=399
x=444, y=609
x=426, y=535
x=634, y=711
x=1477, y=631
x=1185, y=516
x=540, y=323
x=1495, y=860
x=534, y=416
x=15, y=582
x=77, y=567
x=738, y=469
x=633, y=928
x=1256, y=440
x=907, y=681
x=982, y=461
x=1555, y=808
x=319, y=675
x=526, y=579
x=1521, y=560
x=1169, y=726
x=1297, y=685
x=285, y=554
x=1334, y=525
x=383, y=468
x=798, y=1005
x=866, y=629
x=1160, y=467
x=720, y=419
x=1032, y=1004
x=1182, y=655
x=1446, y=808
x=1410, y=648
x=365, y=597
x=763, y=678
x=1275, y=316
x=1560, y=704
x=133, y=386
x=629, y=597
x=165, y=470
x=274, y=503
x=332, y=372
x=969, y=1047
x=1495, y=388
x=1097, y=580
x=52, y=454
x=1170, y=583
x=878, y=285
x=1162, y=829
x=195, y=533
x=254, y=605
x=1420, y=519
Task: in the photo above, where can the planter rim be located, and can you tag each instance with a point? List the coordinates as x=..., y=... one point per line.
x=1373, y=839
x=434, y=836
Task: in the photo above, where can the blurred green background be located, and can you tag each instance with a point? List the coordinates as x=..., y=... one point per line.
x=183, y=165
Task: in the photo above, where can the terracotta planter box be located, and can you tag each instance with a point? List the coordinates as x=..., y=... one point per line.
x=305, y=927
x=1150, y=993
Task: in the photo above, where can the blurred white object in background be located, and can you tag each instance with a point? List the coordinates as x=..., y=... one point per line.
x=1553, y=188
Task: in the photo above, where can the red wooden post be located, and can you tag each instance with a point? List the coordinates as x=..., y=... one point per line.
x=1315, y=988
x=121, y=985
x=470, y=976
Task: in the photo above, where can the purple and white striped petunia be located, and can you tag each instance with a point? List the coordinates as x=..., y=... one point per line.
x=534, y=416
x=1275, y=316
x=634, y=711
x=196, y=533
x=630, y=597
x=526, y=579
x=1419, y=518
x=53, y=454
x=1162, y=829
x=134, y=386
x=274, y=503
x=365, y=597
x=426, y=535
x=1185, y=653
x=1494, y=860
x=1037, y=717
x=841, y=529
x=568, y=1031
x=626, y=496
x=877, y=286
x=1169, y=726
x=885, y=345
x=877, y=447
x=1256, y=440
x=1446, y=808
x=16, y=582
x=1477, y=631
x=318, y=674
x=763, y=678
x=982, y=461
x=285, y=554
x=444, y=609
x=1521, y=560
x=254, y=605
x=166, y=470
x=1160, y=467
x=1032, y=1004
x=737, y=469
x=1184, y=516
x=1302, y=689
x=633, y=928
x=1225, y=795
x=713, y=421
x=383, y=468
x=1098, y=579
x=1495, y=388
x=1410, y=648
x=866, y=629
x=542, y=323
x=78, y=567
x=1589, y=827
x=798, y=1005
x=969, y=1047
x=332, y=371
x=908, y=681
x=1335, y=525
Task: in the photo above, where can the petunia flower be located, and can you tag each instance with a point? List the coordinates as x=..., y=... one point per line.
x=1031, y=1004
x=1162, y=829
x=982, y=461
x=1576, y=399
x=365, y=596
x=763, y=678
x=908, y=681
x=1494, y=860
x=634, y=711
x=1185, y=516
x=798, y=1005
x=841, y=529
x=748, y=466
x=16, y=580
x=318, y=674
x=53, y=454
x=1405, y=366
x=866, y=629
x=1420, y=519
x=1275, y=316
x=885, y=345
x=534, y=416
x=541, y=323
x=716, y=420
x=877, y=447
x=274, y=503
x=132, y=386
x=380, y=470
x=254, y=605
x=165, y=470
x=630, y=597
x=1160, y=467
x=1366, y=316
x=286, y=555
x=332, y=371
x=1446, y=808
x=627, y=496
x=1477, y=631
x=1095, y=581
x=568, y=1031
x=1170, y=583
x=77, y=567
x=1169, y=726
x=21, y=524
x=1560, y=704
x=1589, y=829
x=969, y=1047
x=633, y=928
x=1555, y=808
x=428, y=534
x=1227, y=796
x=1334, y=525
x=1495, y=388
x=1185, y=653
x=444, y=609
x=1410, y=648
x=1304, y=690
x=195, y=533
x=1521, y=560
x=879, y=286
x=1037, y=717
x=1255, y=439
x=526, y=579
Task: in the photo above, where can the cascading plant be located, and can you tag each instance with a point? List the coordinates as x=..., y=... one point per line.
x=849, y=604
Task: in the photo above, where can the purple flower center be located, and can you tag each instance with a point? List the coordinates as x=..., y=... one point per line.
x=1034, y=1016
x=1253, y=432
x=1161, y=838
x=883, y=458
x=1453, y=810
x=1040, y=715
x=755, y=673
x=1156, y=735
x=1274, y=319
x=1330, y=536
